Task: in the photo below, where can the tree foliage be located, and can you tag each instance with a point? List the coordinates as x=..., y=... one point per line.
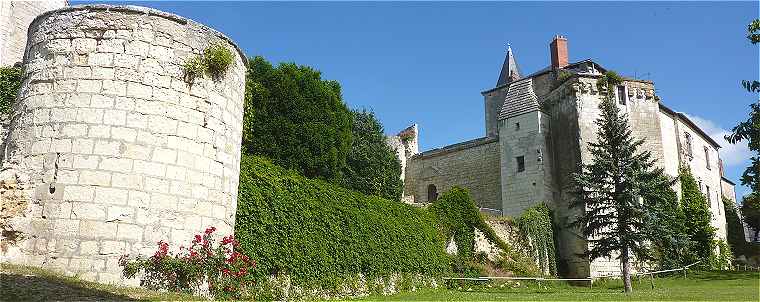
x=611, y=187
x=751, y=212
x=666, y=227
x=750, y=129
x=296, y=119
x=371, y=165
x=697, y=223
x=10, y=82
x=734, y=227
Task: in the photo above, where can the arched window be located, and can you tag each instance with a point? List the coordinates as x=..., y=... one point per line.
x=432, y=193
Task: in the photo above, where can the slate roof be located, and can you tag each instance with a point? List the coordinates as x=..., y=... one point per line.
x=521, y=98
x=509, y=70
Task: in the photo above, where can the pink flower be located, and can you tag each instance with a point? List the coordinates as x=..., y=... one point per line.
x=210, y=230
x=197, y=239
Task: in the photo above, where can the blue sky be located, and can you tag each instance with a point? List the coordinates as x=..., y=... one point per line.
x=426, y=62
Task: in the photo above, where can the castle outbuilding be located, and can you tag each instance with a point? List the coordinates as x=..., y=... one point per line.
x=537, y=129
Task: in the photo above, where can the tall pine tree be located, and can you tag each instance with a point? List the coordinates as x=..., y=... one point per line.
x=611, y=189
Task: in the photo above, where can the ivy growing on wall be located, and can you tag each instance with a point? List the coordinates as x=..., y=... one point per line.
x=458, y=217
x=535, y=227
x=321, y=235
x=10, y=82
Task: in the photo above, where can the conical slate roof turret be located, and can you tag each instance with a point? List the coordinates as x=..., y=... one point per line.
x=509, y=70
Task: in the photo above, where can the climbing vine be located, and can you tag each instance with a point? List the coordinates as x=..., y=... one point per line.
x=535, y=228
x=458, y=217
x=10, y=82
x=214, y=61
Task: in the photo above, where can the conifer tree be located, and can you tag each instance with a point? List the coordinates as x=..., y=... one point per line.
x=611, y=189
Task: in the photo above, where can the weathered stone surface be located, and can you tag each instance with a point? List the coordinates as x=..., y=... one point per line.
x=112, y=137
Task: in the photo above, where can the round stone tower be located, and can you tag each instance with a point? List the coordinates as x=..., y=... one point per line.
x=111, y=147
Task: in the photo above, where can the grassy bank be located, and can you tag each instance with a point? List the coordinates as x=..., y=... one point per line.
x=699, y=286
x=24, y=283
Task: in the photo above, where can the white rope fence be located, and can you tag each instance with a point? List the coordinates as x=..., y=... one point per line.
x=590, y=279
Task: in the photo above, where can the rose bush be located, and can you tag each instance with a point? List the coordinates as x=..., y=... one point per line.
x=204, y=262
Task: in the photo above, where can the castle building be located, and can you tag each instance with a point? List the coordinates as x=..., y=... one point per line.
x=537, y=127
x=15, y=17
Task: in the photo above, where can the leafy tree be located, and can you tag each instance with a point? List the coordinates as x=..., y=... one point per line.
x=734, y=227
x=751, y=213
x=296, y=119
x=10, y=82
x=611, y=188
x=666, y=226
x=750, y=129
x=371, y=165
x=697, y=222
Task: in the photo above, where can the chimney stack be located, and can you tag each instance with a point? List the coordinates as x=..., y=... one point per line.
x=558, y=49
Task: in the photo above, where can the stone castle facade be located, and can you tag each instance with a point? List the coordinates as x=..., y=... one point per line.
x=537, y=129
x=15, y=17
x=109, y=147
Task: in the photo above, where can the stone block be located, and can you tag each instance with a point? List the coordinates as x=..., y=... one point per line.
x=78, y=193
x=116, y=164
x=89, y=248
x=111, y=247
x=112, y=196
x=98, y=178
x=129, y=232
x=120, y=214
x=126, y=180
x=115, y=117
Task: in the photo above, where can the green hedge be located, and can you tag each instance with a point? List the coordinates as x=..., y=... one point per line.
x=322, y=235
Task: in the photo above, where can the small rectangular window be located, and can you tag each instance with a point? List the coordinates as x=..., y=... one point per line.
x=621, y=94
x=707, y=158
x=687, y=136
x=709, y=197
x=520, y=163
x=517, y=126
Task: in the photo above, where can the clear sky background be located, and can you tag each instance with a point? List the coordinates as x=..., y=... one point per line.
x=427, y=62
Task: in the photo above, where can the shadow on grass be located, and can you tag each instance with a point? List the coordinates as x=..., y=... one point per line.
x=15, y=287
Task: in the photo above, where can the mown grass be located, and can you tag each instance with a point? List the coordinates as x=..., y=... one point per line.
x=24, y=283
x=699, y=286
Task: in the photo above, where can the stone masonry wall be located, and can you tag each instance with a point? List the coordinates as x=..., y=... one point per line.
x=525, y=136
x=472, y=165
x=113, y=149
x=15, y=17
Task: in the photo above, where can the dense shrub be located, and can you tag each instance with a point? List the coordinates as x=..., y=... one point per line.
x=697, y=219
x=458, y=217
x=10, y=82
x=214, y=61
x=666, y=226
x=227, y=272
x=371, y=165
x=321, y=235
x=734, y=228
x=296, y=119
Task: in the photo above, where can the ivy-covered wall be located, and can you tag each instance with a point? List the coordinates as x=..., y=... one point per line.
x=321, y=235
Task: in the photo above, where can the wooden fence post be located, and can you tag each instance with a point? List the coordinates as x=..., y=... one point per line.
x=651, y=280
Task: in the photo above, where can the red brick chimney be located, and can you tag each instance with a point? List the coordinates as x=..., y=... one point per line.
x=558, y=49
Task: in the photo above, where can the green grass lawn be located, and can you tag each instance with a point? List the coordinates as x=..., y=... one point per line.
x=699, y=286
x=24, y=283
x=21, y=283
